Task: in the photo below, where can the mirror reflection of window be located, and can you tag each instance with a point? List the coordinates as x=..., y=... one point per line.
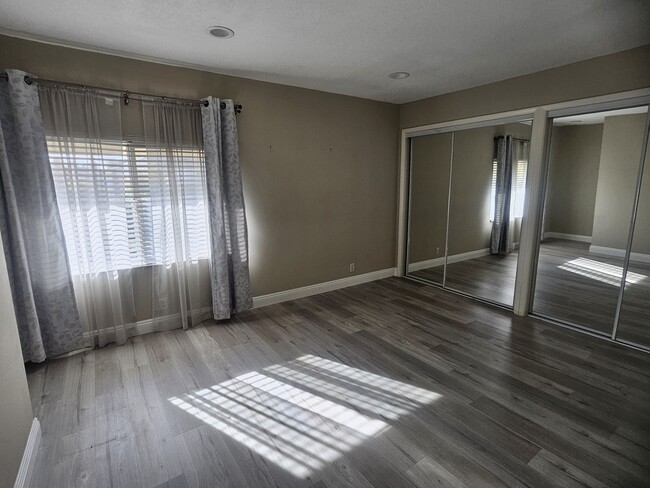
x=486, y=207
x=467, y=194
x=519, y=188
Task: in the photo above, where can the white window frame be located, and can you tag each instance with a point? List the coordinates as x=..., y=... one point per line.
x=131, y=151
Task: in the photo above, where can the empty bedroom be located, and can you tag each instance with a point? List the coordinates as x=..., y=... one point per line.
x=324, y=244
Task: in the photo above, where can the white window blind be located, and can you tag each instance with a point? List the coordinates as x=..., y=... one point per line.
x=119, y=194
x=520, y=169
x=493, y=190
x=519, y=183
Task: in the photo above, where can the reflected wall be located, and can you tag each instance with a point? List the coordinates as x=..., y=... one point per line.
x=429, y=182
x=634, y=318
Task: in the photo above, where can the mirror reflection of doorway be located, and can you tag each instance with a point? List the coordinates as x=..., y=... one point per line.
x=590, y=200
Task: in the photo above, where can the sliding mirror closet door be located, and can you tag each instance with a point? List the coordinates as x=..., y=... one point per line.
x=590, y=192
x=634, y=317
x=429, y=194
x=488, y=180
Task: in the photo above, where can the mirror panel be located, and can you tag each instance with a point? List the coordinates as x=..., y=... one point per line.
x=465, y=212
x=634, y=319
x=487, y=195
x=591, y=182
x=429, y=193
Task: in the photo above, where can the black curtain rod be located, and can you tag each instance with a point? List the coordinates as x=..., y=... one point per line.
x=513, y=138
x=126, y=95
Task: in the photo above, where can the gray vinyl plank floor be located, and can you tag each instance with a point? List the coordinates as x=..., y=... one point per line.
x=572, y=285
x=388, y=384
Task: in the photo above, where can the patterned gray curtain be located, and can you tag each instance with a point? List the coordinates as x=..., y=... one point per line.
x=46, y=312
x=499, y=240
x=231, y=290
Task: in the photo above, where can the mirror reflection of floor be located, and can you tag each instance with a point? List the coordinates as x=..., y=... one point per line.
x=583, y=287
x=572, y=284
x=488, y=277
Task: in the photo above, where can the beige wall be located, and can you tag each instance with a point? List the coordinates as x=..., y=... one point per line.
x=573, y=178
x=429, y=196
x=626, y=70
x=469, y=214
x=15, y=406
x=641, y=240
x=617, y=177
x=319, y=169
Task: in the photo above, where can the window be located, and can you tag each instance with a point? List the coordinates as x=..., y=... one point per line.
x=119, y=195
x=493, y=191
x=519, y=182
x=518, y=189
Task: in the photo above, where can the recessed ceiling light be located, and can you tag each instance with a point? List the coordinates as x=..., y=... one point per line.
x=399, y=75
x=221, y=32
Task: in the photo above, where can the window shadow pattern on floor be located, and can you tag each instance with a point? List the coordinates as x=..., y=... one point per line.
x=304, y=413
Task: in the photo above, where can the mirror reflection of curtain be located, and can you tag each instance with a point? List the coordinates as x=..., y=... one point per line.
x=511, y=161
x=519, y=173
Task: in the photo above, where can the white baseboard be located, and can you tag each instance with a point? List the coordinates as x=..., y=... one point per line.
x=619, y=253
x=26, y=469
x=305, y=291
x=454, y=258
x=167, y=322
x=429, y=263
x=567, y=237
x=457, y=258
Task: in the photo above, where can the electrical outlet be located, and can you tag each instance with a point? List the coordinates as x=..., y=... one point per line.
x=437, y=250
x=351, y=267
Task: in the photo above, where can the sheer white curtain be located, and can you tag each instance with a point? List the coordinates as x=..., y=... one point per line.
x=173, y=180
x=133, y=212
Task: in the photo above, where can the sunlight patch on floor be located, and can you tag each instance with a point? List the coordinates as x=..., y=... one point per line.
x=606, y=273
x=304, y=413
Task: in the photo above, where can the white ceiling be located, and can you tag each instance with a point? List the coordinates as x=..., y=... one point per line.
x=345, y=46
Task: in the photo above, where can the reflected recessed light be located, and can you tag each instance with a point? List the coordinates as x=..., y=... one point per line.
x=221, y=32
x=399, y=75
